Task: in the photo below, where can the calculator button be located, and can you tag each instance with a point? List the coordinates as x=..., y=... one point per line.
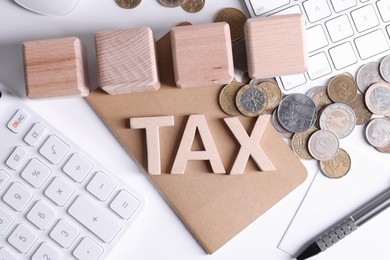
x=59, y=191
x=54, y=149
x=6, y=255
x=41, y=215
x=36, y=173
x=88, y=249
x=4, y=176
x=45, y=252
x=17, y=121
x=125, y=204
x=95, y=219
x=16, y=158
x=64, y=233
x=22, y=239
x=77, y=167
x=17, y=196
x=35, y=134
x=101, y=186
x=6, y=220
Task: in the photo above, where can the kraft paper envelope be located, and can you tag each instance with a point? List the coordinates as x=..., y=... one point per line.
x=214, y=207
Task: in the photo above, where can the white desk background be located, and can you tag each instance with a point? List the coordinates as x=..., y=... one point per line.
x=158, y=233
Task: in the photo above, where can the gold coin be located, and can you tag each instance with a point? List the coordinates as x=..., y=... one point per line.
x=299, y=144
x=338, y=166
x=128, y=4
x=236, y=20
x=251, y=100
x=193, y=6
x=342, y=89
x=227, y=98
x=273, y=92
x=358, y=105
x=171, y=3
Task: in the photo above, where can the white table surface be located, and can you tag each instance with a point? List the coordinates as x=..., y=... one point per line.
x=158, y=233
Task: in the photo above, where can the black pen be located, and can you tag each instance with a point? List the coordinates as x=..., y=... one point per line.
x=346, y=226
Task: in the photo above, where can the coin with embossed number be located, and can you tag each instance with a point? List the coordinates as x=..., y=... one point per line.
x=323, y=145
x=358, y=106
x=227, y=98
x=251, y=100
x=236, y=20
x=338, y=166
x=297, y=113
x=273, y=92
x=299, y=143
x=171, y=3
x=367, y=75
x=193, y=6
x=339, y=119
x=128, y=4
x=378, y=98
x=378, y=132
x=342, y=89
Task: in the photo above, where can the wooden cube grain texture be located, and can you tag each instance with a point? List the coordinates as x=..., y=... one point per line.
x=55, y=68
x=202, y=55
x=126, y=61
x=276, y=46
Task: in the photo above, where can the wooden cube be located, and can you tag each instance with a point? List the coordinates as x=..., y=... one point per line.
x=127, y=61
x=202, y=55
x=55, y=68
x=275, y=46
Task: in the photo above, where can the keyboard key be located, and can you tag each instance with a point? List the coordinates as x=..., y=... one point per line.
x=4, y=176
x=36, y=173
x=384, y=9
x=364, y=18
x=17, y=122
x=54, y=149
x=16, y=158
x=46, y=252
x=17, y=196
x=125, y=204
x=95, y=219
x=64, y=233
x=315, y=38
x=77, y=167
x=260, y=7
x=371, y=44
x=318, y=66
x=341, y=5
x=88, y=250
x=6, y=255
x=6, y=220
x=291, y=10
x=35, y=134
x=101, y=186
x=343, y=55
x=292, y=81
x=41, y=215
x=316, y=10
x=59, y=191
x=22, y=238
x=339, y=28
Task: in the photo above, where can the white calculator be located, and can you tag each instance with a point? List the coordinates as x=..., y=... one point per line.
x=56, y=202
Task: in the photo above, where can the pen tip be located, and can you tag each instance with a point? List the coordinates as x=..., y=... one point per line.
x=310, y=251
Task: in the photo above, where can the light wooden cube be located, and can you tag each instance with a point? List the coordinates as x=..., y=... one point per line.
x=55, y=68
x=202, y=55
x=276, y=46
x=127, y=61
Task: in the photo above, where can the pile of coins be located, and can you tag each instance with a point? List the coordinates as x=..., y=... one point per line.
x=315, y=122
x=191, y=6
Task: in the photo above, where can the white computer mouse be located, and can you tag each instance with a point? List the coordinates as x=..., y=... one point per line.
x=49, y=7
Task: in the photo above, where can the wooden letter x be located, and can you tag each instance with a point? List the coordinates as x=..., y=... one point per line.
x=250, y=145
x=151, y=125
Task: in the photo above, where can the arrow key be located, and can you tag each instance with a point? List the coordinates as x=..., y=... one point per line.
x=54, y=149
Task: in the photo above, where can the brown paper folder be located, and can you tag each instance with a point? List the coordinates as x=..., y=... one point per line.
x=214, y=207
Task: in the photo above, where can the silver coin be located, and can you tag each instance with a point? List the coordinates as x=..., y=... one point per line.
x=339, y=119
x=323, y=145
x=297, y=113
x=378, y=132
x=251, y=100
x=275, y=122
x=367, y=75
x=384, y=68
x=378, y=98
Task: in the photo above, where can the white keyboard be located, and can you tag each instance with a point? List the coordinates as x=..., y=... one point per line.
x=342, y=35
x=56, y=202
